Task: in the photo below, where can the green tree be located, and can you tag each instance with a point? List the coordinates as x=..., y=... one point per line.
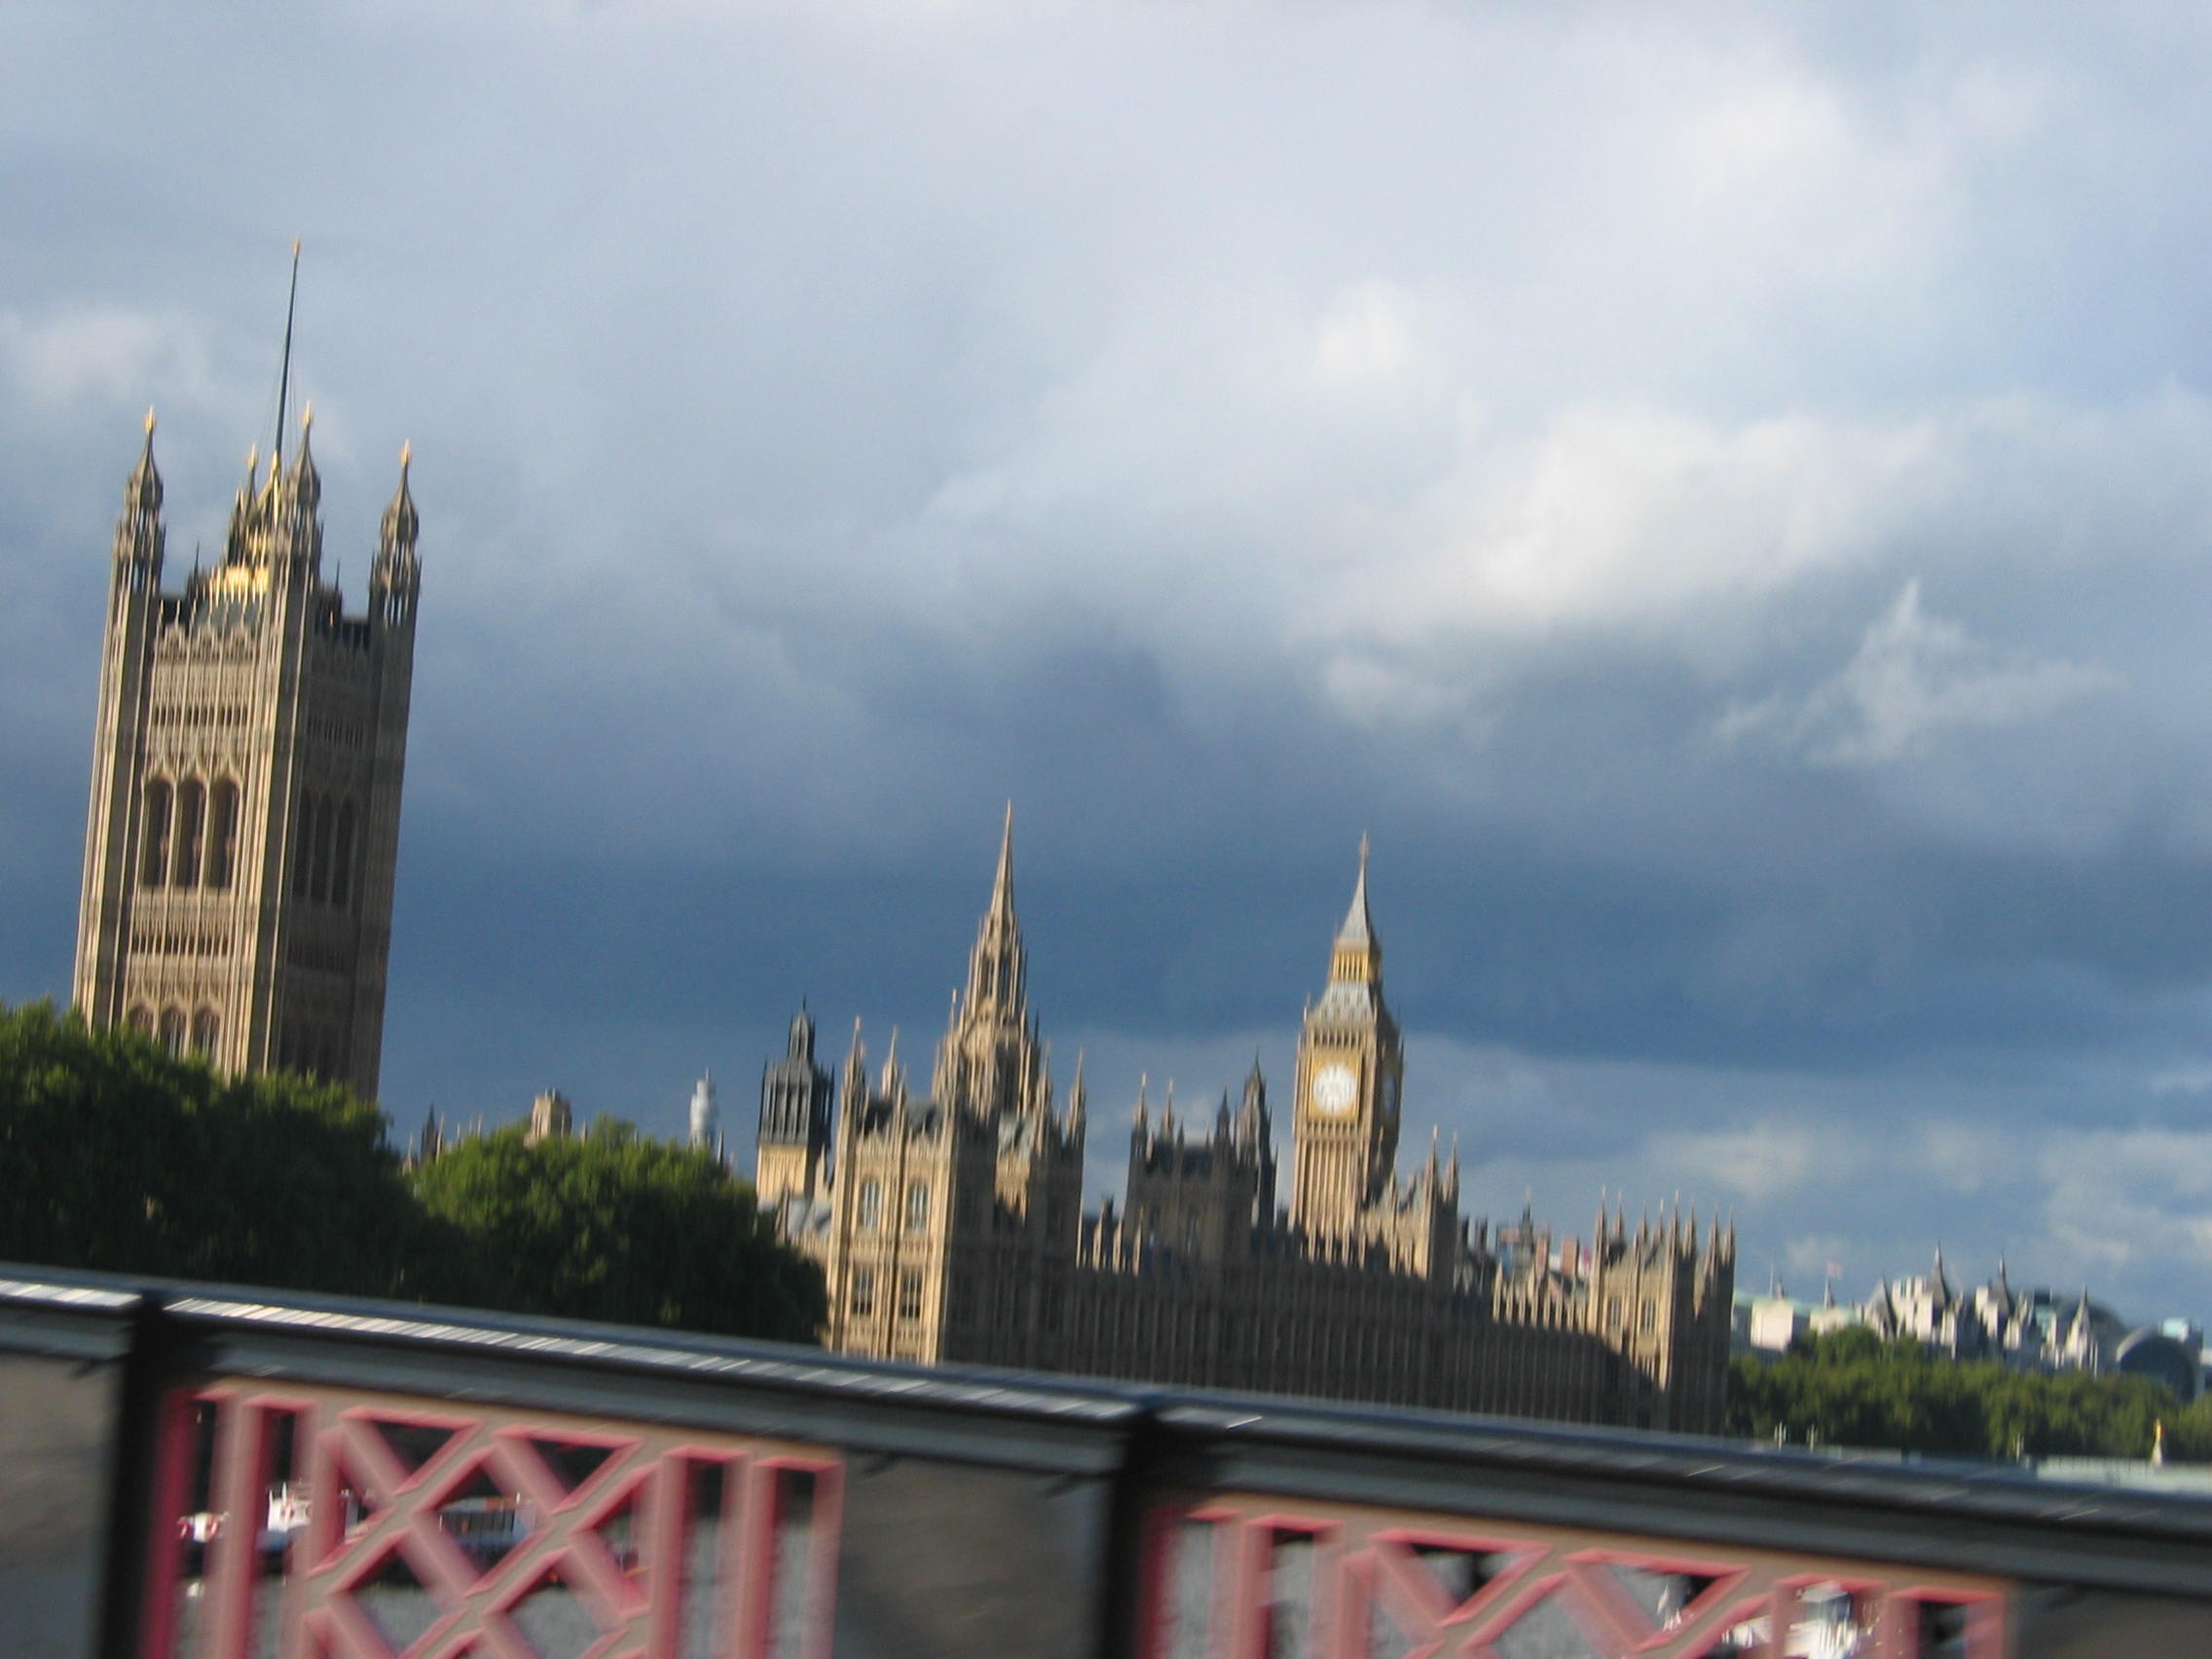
x=617, y=1226
x=115, y=1154
x=1849, y=1387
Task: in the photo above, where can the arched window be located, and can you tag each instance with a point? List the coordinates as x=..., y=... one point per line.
x=871, y=1206
x=323, y=827
x=223, y=836
x=173, y=1030
x=341, y=858
x=918, y=1207
x=303, y=845
x=154, y=863
x=205, y=1029
x=142, y=1019
x=191, y=820
x=863, y=1292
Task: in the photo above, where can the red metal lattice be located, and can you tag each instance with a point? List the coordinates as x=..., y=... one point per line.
x=433, y=1534
x=1369, y=1572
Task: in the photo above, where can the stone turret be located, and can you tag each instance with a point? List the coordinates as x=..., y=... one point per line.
x=797, y=1128
x=243, y=835
x=551, y=1118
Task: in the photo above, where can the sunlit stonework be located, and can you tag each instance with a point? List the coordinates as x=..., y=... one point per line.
x=246, y=770
x=951, y=1227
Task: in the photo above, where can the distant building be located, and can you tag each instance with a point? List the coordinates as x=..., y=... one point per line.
x=2034, y=1329
x=551, y=1118
x=1774, y=1321
x=246, y=767
x=2028, y=1329
x=706, y=1117
x=950, y=1227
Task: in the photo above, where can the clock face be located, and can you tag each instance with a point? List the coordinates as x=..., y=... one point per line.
x=1334, y=1089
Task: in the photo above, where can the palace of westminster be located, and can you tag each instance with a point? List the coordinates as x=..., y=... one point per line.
x=237, y=901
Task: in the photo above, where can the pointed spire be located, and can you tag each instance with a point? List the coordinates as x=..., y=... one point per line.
x=396, y=570
x=1144, y=1105
x=1252, y=1115
x=856, y=1059
x=1356, y=958
x=1359, y=926
x=307, y=480
x=1001, y=884
x=145, y=489
x=285, y=374
x=138, y=530
x=1079, y=1098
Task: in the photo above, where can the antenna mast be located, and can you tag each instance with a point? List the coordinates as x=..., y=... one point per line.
x=284, y=378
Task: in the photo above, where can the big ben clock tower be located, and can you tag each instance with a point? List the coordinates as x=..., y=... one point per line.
x=1350, y=1065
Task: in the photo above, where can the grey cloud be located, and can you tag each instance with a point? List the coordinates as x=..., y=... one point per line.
x=1222, y=431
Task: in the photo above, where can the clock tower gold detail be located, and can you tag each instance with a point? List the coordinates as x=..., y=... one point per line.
x=1350, y=1063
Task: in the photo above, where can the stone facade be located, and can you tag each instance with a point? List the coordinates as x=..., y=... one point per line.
x=244, y=820
x=951, y=1229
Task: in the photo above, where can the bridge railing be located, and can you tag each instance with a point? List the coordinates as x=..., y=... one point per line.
x=196, y=1470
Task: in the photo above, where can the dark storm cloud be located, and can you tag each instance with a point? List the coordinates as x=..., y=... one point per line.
x=1724, y=502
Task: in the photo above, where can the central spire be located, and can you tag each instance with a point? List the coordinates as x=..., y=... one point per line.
x=285, y=373
x=1359, y=927
x=997, y=968
x=1357, y=957
x=1001, y=884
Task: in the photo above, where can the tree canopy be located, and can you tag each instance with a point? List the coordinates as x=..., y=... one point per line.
x=1850, y=1388
x=117, y=1156
x=614, y=1225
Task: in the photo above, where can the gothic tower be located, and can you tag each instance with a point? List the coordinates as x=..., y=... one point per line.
x=792, y=1157
x=246, y=768
x=991, y=1061
x=1344, y=1123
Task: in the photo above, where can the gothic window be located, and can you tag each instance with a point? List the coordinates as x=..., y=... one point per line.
x=918, y=1207
x=341, y=858
x=319, y=890
x=191, y=818
x=303, y=845
x=173, y=1030
x=863, y=1292
x=142, y=1019
x=222, y=834
x=871, y=1206
x=1648, y=1318
x=205, y=1029
x=153, y=870
x=909, y=1293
